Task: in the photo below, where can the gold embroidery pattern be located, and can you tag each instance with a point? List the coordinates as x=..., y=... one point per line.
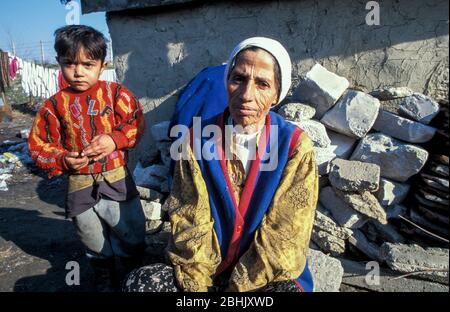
x=278, y=251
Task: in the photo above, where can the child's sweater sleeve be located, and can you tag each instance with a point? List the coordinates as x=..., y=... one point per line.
x=44, y=141
x=129, y=119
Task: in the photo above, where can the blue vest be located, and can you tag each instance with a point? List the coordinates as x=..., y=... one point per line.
x=229, y=221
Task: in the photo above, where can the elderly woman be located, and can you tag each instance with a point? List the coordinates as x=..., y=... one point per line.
x=242, y=223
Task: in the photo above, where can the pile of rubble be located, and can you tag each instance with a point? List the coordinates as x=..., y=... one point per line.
x=370, y=149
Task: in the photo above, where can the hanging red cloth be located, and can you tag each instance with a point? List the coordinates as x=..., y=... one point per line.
x=13, y=68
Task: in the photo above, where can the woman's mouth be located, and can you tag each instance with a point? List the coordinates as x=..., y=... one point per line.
x=245, y=111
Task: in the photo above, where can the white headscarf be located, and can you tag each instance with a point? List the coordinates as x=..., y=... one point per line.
x=278, y=52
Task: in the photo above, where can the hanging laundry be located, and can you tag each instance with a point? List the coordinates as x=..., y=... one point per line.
x=13, y=68
x=43, y=82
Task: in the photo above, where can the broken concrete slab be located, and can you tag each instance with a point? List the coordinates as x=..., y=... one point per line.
x=327, y=243
x=150, y=194
x=153, y=226
x=419, y=107
x=403, y=128
x=297, y=112
x=364, y=203
x=152, y=210
x=391, y=93
x=391, y=193
x=321, y=88
x=324, y=156
x=342, y=145
x=397, y=161
x=353, y=115
x=341, y=212
x=360, y=242
x=326, y=271
x=327, y=235
x=382, y=232
x=412, y=258
x=354, y=176
x=153, y=177
x=316, y=132
x=328, y=225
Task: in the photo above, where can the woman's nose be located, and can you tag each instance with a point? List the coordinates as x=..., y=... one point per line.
x=248, y=91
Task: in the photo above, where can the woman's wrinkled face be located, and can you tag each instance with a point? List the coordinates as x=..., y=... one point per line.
x=252, y=88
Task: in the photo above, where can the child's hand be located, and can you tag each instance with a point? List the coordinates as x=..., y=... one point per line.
x=74, y=161
x=101, y=146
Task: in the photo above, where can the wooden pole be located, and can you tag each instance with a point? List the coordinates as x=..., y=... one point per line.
x=42, y=53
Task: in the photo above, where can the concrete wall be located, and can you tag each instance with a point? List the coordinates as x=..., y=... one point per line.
x=158, y=51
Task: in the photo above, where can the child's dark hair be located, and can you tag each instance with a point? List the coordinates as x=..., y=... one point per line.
x=70, y=39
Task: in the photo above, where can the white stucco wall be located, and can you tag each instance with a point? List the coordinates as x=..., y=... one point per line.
x=158, y=52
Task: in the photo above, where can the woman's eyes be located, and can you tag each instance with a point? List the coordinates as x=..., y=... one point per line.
x=263, y=84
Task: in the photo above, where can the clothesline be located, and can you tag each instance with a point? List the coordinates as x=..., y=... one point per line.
x=42, y=81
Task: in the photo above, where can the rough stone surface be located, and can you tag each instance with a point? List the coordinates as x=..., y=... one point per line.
x=419, y=107
x=403, y=128
x=353, y=115
x=342, y=145
x=391, y=93
x=152, y=210
x=383, y=232
x=354, y=176
x=155, y=55
x=327, y=235
x=149, y=194
x=326, y=271
x=325, y=223
x=316, y=131
x=397, y=161
x=327, y=243
x=153, y=177
x=413, y=258
x=153, y=226
x=365, y=203
x=324, y=156
x=321, y=88
x=341, y=212
x=391, y=193
x=297, y=112
x=360, y=242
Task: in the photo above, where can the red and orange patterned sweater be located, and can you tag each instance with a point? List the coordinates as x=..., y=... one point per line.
x=68, y=121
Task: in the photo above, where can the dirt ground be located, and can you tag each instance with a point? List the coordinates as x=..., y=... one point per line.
x=36, y=241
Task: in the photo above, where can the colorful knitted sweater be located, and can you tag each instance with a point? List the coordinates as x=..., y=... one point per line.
x=68, y=121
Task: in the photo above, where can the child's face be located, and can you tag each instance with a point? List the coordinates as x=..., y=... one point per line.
x=81, y=73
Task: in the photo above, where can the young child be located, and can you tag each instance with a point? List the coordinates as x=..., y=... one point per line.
x=85, y=130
